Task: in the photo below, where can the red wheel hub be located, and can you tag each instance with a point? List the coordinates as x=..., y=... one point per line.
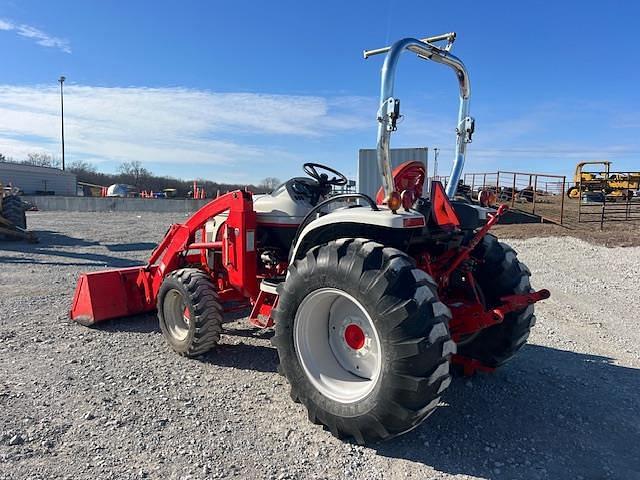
x=354, y=336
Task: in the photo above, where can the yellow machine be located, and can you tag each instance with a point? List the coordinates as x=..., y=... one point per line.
x=625, y=181
x=616, y=185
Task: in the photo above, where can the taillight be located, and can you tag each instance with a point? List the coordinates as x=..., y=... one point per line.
x=413, y=222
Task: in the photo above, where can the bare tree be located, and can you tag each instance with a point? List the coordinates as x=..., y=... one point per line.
x=134, y=171
x=270, y=183
x=41, y=159
x=81, y=166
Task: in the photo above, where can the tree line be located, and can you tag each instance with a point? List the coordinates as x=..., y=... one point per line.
x=135, y=174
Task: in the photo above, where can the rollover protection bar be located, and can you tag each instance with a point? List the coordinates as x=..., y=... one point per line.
x=389, y=110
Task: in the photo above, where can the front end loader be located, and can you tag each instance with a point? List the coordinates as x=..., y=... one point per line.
x=374, y=303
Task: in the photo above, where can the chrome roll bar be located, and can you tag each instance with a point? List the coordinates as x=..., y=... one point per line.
x=389, y=110
x=449, y=37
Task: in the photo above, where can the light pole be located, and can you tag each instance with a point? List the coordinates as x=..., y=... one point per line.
x=435, y=162
x=61, y=81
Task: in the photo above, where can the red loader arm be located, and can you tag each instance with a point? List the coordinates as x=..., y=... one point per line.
x=129, y=291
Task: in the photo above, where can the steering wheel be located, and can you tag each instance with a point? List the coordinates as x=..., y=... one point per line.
x=322, y=178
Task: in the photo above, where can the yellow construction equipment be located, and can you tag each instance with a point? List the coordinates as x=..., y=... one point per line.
x=613, y=185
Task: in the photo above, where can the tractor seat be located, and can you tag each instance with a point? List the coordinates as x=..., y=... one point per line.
x=288, y=204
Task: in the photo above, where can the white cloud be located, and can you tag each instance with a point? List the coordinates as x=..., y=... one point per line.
x=169, y=125
x=254, y=135
x=40, y=37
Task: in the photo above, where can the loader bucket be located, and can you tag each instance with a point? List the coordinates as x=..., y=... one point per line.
x=111, y=294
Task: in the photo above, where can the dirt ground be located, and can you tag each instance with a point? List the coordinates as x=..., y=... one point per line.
x=612, y=233
x=115, y=402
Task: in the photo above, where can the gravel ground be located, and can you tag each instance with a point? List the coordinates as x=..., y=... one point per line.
x=115, y=402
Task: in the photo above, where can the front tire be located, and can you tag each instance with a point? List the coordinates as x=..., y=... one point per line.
x=189, y=312
x=385, y=376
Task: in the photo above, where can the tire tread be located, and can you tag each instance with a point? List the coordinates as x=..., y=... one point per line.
x=206, y=310
x=501, y=274
x=410, y=313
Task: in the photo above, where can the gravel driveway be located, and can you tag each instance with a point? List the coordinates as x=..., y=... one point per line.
x=115, y=402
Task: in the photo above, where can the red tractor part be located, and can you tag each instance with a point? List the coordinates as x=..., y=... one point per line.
x=261, y=312
x=408, y=177
x=470, y=366
x=442, y=213
x=129, y=291
x=468, y=310
x=111, y=294
x=451, y=264
x=468, y=318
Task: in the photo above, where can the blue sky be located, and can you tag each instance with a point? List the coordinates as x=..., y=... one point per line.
x=237, y=91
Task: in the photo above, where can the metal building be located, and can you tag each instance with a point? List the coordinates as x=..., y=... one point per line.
x=369, y=180
x=34, y=180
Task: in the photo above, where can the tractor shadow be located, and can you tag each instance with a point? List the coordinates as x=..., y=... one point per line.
x=232, y=351
x=58, y=245
x=547, y=414
x=244, y=346
x=242, y=356
x=145, y=323
x=257, y=333
x=50, y=238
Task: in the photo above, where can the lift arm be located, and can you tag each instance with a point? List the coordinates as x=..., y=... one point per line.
x=129, y=291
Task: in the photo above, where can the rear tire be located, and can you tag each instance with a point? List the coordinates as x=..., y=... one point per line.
x=189, y=312
x=405, y=326
x=500, y=274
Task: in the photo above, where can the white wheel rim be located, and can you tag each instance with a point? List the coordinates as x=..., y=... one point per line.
x=176, y=315
x=340, y=371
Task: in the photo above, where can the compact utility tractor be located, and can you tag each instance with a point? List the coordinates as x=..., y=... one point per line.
x=374, y=303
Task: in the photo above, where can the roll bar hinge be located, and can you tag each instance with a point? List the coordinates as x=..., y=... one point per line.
x=389, y=113
x=466, y=128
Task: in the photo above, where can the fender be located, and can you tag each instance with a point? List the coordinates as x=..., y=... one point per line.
x=358, y=222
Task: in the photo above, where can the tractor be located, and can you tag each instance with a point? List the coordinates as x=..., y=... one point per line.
x=375, y=304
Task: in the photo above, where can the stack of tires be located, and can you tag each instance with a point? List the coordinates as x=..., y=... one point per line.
x=13, y=210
